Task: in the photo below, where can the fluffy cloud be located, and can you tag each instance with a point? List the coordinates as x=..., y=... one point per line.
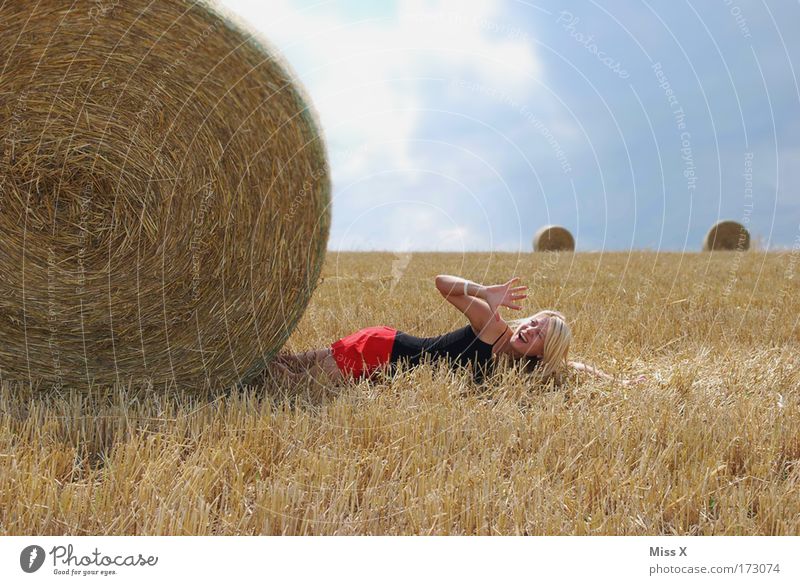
x=366, y=72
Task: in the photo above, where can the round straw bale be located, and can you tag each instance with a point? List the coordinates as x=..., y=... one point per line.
x=165, y=195
x=553, y=238
x=727, y=235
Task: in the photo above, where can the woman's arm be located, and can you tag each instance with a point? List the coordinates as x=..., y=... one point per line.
x=454, y=285
x=463, y=293
x=581, y=367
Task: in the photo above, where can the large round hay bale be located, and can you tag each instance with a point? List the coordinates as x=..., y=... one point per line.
x=165, y=195
x=727, y=235
x=553, y=238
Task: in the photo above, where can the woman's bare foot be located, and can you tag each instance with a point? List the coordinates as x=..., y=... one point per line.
x=286, y=373
x=314, y=364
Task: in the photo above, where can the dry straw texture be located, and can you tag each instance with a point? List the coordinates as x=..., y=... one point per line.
x=708, y=445
x=165, y=195
x=727, y=235
x=553, y=238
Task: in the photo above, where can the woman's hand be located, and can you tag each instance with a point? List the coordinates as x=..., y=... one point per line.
x=504, y=295
x=637, y=380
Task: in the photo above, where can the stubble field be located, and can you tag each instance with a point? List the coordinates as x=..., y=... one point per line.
x=709, y=444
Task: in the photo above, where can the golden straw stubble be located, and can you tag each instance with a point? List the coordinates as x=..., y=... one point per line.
x=165, y=195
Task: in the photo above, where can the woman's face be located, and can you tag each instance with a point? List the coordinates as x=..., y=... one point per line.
x=529, y=338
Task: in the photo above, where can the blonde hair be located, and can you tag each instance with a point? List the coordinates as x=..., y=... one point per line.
x=556, y=343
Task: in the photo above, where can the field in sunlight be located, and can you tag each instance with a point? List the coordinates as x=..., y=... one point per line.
x=708, y=445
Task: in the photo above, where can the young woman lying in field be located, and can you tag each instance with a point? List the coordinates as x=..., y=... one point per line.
x=541, y=340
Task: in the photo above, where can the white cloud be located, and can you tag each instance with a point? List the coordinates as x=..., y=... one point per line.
x=366, y=76
x=455, y=237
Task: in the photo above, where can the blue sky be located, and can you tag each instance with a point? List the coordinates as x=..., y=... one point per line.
x=461, y=126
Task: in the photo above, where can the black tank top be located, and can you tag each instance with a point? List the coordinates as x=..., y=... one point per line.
x=459, y=347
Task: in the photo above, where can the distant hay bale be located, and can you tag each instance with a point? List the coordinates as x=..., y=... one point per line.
x=165, y=195
x=727, y=235
x=553, y=238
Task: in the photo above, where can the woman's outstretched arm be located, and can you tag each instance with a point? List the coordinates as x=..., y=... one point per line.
x=581, y=367
x=480, y=303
